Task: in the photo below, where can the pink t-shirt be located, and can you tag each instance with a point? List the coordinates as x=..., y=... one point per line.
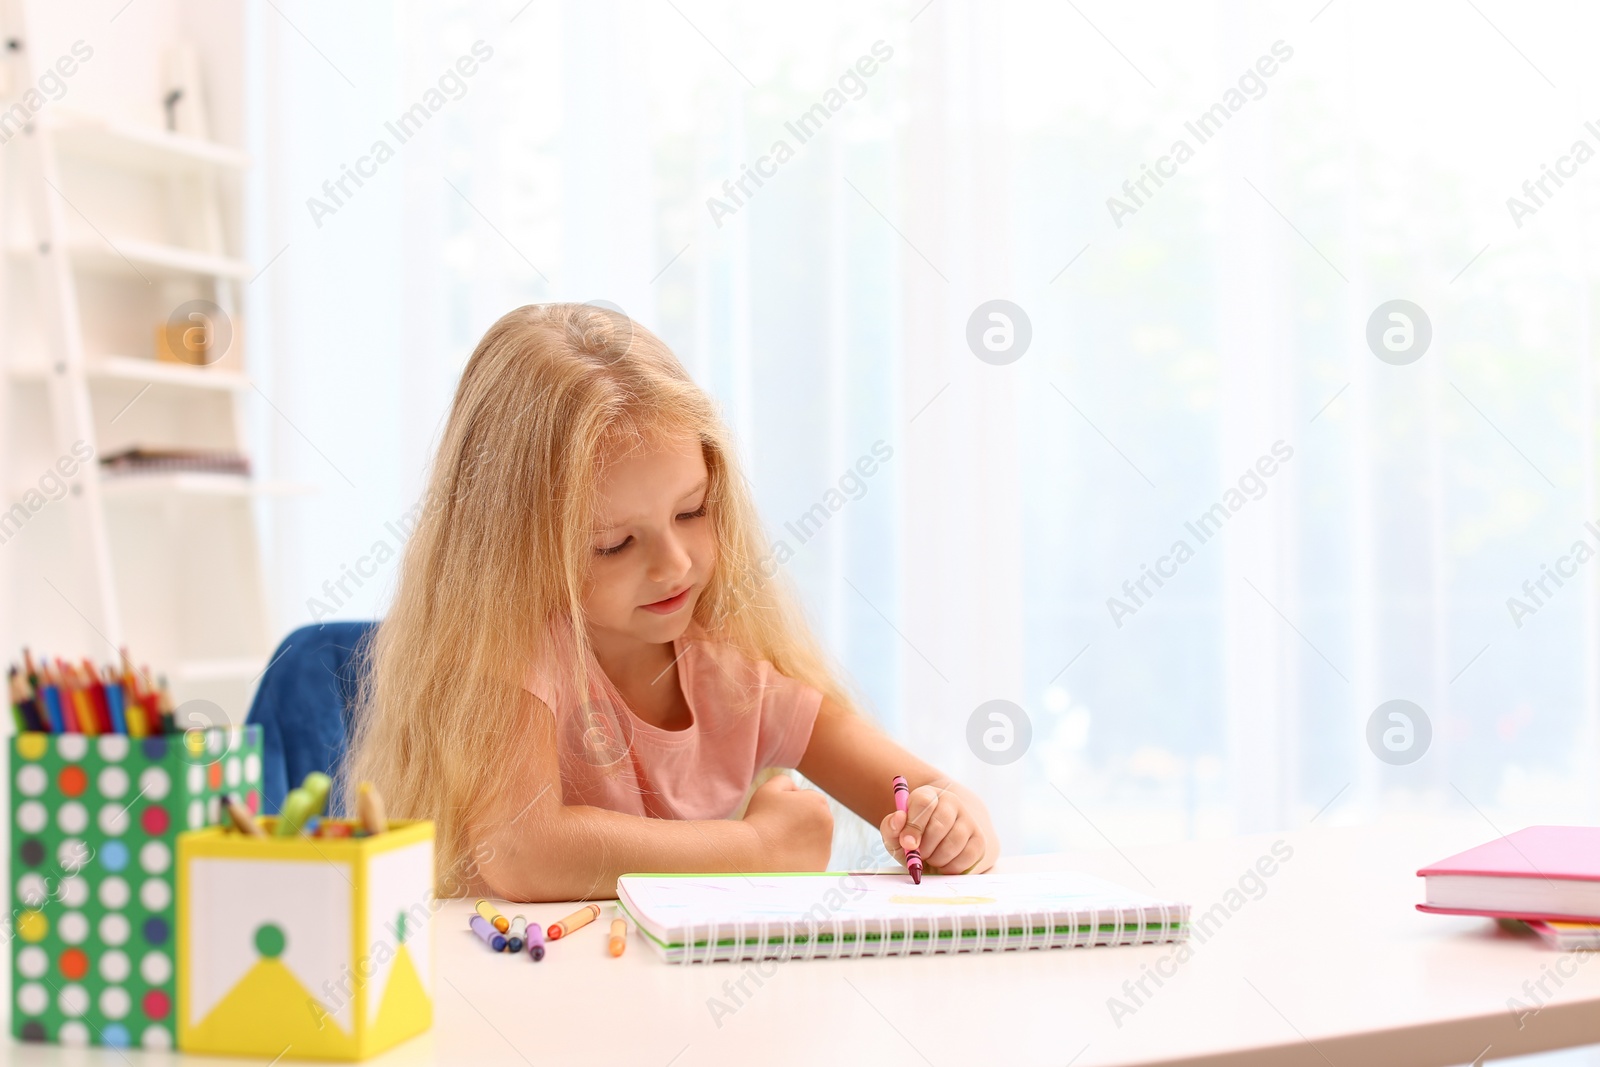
x=746, y=716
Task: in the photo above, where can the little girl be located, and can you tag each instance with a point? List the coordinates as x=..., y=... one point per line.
x=588, y=662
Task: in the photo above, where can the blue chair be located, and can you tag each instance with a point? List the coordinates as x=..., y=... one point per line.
x=306, y=704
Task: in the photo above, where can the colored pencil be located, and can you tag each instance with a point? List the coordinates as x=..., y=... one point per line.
x=138, y=725
x=169, y=724
x=90, y=677
x=51, y=695
x=17, y=690
x=61, y=700
x=113, y=691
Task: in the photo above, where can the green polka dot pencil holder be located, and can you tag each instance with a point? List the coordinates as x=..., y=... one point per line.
x=94, y=833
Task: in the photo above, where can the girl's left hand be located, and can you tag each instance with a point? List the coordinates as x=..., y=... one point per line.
x=948, y=825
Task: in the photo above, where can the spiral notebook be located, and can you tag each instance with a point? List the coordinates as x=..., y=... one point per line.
x=711, y=917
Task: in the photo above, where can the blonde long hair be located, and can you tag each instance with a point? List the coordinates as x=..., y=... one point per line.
x=500, y=554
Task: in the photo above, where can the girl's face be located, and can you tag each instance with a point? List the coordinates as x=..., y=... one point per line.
x=654, y=549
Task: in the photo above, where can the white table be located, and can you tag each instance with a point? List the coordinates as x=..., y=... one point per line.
x=1331, y=965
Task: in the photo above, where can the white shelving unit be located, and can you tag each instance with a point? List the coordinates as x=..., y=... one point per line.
x=108, y=226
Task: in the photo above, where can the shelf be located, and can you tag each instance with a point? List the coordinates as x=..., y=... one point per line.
x=194, y=483
x=135, y=146
x=216, y=670
x=149, y=371
x=148, y=257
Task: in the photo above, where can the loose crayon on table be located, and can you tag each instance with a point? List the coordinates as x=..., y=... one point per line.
x=536, y=942
x=294, y=813
x=242, y=819
x=619, y=936
x=369, y=806
x=492, y=916
x=576, y=921
x=489, y=934
x=902, y=793
x=517, y=936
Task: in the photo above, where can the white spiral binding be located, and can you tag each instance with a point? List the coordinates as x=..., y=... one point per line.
x=1128, y=928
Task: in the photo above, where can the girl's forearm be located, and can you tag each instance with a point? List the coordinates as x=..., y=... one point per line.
x=577, y=853
x=855, y=763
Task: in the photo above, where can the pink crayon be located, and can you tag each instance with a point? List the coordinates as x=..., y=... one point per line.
x=902, y=797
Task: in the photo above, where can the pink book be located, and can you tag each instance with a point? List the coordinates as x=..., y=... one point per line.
x=1542, y=872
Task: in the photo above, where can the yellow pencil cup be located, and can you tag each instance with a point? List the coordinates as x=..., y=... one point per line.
x=305, y=948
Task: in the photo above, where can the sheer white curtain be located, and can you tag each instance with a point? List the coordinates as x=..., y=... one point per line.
x=828, y=305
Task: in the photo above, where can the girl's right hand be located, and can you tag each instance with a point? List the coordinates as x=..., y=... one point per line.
x=794, y=825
